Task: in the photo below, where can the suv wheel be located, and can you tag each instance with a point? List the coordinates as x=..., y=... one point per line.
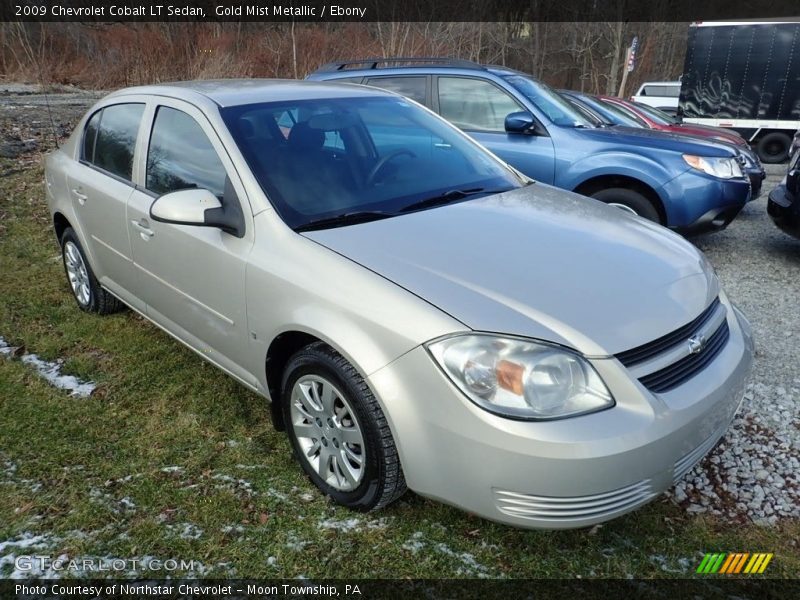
x=87, y=292
x=628, y=200
x=338, y=431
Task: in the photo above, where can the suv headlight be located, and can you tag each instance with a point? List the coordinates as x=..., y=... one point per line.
x=519, y=378
x=724, y=168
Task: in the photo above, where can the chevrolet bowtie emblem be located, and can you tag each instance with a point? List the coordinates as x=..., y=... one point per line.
x=697, y=343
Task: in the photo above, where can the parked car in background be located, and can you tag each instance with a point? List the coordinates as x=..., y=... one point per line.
x=608, y=116
x=743, y=75
x=659, y=94
x=654, y=118
x=686, y=184
x=417, y=312
x=784, y=201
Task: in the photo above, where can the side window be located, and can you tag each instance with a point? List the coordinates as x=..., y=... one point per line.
x=673, y=91
x=410, y=87
x=473, y=104
x=90, y=136
x=347, y=80
x=181, y=156
x=115, y=140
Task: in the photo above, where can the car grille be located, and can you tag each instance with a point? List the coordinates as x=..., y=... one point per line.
x=685, y=464
x=577, y=508
x=687, y=364
x=679, y=336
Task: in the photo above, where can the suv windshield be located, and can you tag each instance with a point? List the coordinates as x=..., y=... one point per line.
x=332, y=162
x=557, y=109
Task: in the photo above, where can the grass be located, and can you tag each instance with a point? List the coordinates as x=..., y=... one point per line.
x=95, y=474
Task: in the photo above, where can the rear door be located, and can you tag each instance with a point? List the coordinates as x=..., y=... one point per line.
x=479, y=107
x=192, y=278
x=100, y=185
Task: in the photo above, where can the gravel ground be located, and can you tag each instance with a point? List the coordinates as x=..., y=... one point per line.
x=754, y=472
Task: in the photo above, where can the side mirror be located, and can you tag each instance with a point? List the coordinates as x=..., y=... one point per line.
x=521, y=122
x=200, y=207
x=184, y=207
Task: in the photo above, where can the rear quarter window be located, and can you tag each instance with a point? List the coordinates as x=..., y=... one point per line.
x=114, y=130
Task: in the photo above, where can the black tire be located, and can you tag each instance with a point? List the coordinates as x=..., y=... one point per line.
x=774, y=147
x=100, y=301
x=383, y=481
x=629, y=199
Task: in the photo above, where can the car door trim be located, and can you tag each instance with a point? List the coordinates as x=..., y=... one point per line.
x=192, y=299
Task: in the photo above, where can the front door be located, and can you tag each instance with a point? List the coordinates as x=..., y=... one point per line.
x=192, y=278
x=480, y=108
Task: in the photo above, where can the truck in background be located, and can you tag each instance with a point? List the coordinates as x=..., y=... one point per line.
x=662, y=95
x=745, y=75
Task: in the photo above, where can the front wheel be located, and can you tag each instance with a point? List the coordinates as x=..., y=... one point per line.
x=338, y=431
x=630, y=201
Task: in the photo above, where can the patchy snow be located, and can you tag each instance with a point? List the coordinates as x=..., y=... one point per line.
x=51, y=371
x=470, y=567
x=415, y=543
x=354, y=524
x=226, y=482
x=186, y=531
x=294, y=543
x=172, y=469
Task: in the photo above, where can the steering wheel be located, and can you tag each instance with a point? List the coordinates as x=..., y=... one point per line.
x=384, y=161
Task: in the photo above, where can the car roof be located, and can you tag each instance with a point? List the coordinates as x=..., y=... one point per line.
x=235, y=92
x=661, y=83
x=396, y=66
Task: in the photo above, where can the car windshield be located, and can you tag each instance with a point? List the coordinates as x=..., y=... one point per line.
x=323, y=160
x=659, y=116
x=557, y=109
x=616, y=114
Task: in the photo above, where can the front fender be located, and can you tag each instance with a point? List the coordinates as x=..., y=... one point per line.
x=651, y=172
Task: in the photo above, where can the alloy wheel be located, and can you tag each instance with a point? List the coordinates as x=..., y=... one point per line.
x=328, y=432
x=77, y=273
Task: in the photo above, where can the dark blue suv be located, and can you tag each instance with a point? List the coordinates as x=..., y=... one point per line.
x=688, y=185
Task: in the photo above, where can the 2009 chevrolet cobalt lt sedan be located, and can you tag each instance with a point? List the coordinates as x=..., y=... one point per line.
x=419, y=314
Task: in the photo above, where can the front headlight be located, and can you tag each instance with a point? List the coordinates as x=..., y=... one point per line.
x=724, y=168
x=519, y=378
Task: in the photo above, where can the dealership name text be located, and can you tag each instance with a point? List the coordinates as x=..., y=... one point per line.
x=139, y=589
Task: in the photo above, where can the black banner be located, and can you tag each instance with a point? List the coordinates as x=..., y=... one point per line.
x=705, y=587
x=391, y=10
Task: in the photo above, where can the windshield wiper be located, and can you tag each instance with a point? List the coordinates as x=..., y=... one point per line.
x=348, y=218
x=448, y=197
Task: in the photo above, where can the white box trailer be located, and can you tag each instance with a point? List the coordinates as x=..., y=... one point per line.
x=745, y=75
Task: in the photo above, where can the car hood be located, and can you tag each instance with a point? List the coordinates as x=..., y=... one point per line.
x=709, y=131
x=539, y=262
x=626, y=137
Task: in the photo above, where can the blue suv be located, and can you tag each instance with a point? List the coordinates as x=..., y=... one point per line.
x=685, y=184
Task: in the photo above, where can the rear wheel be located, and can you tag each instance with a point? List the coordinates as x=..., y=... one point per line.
x=629, y=201
x=85, y=289
x=338, y=431
x=774, y=147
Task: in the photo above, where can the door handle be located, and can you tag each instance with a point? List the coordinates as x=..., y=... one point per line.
x=144, y=228
x=80, y=196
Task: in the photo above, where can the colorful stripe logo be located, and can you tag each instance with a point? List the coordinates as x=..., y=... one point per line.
x=734, y=563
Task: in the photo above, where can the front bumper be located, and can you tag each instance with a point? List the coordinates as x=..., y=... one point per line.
x=784, y=209
x=756, y=175
x=697, y=203
x=559, y=474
